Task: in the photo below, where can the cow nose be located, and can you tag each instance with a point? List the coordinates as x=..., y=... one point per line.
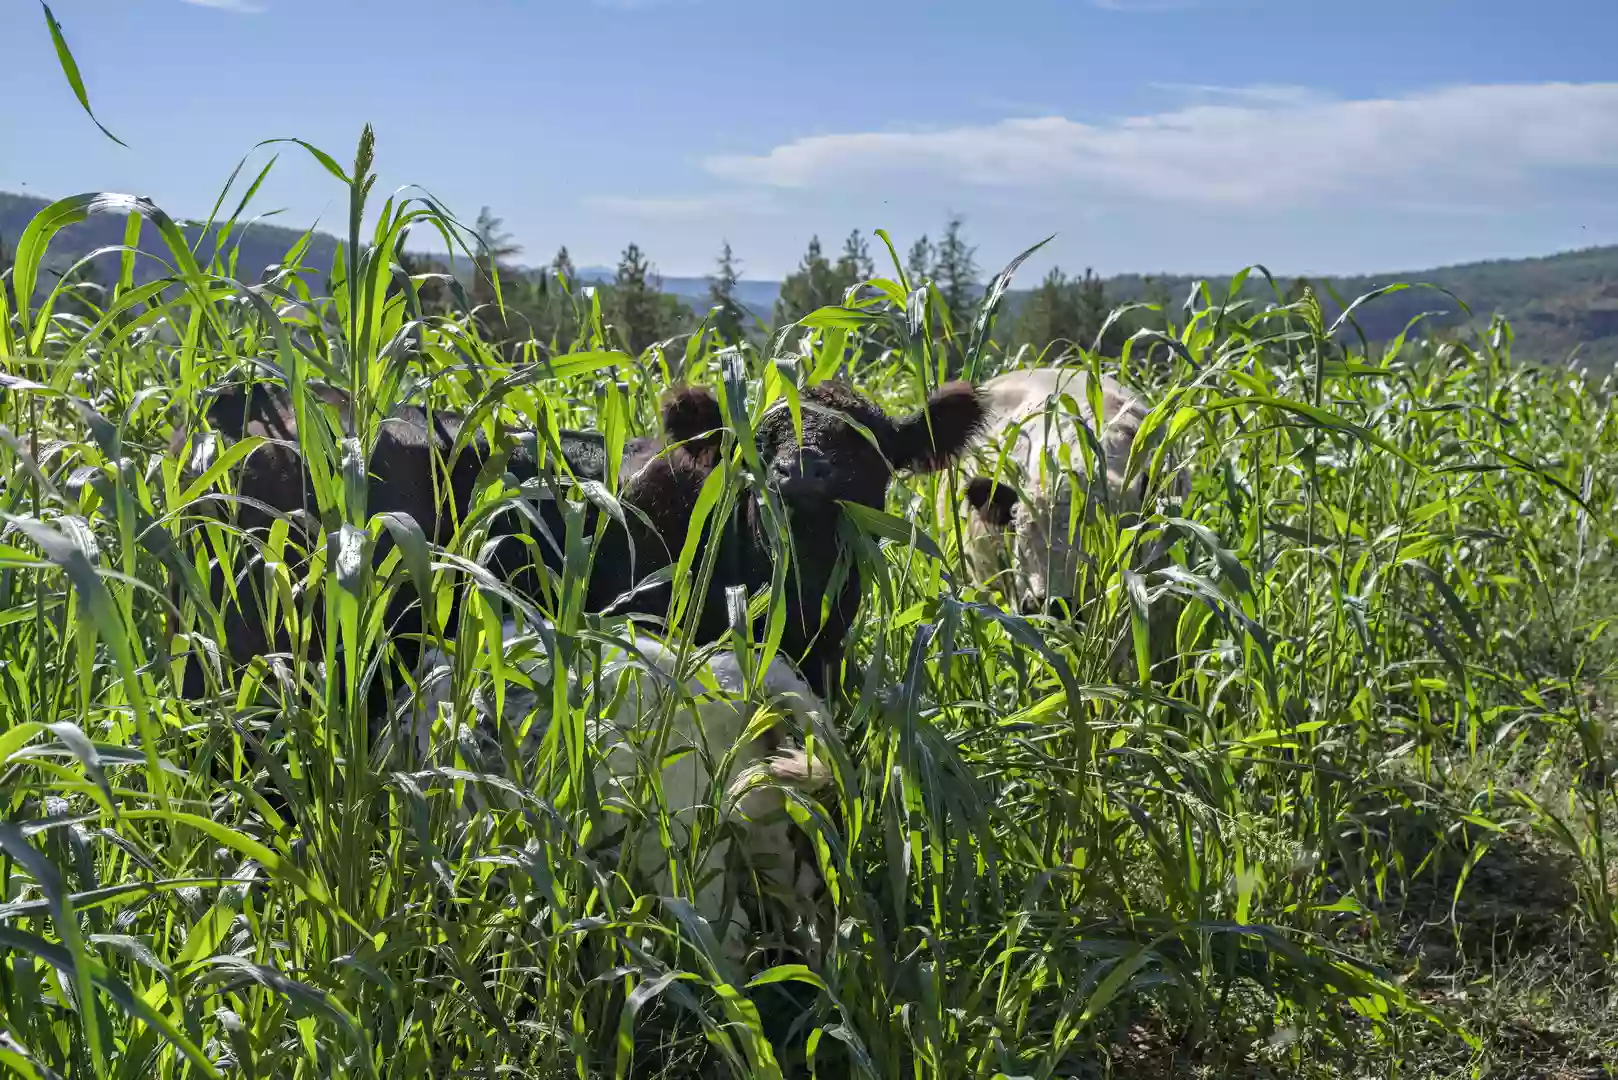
x=806, y=473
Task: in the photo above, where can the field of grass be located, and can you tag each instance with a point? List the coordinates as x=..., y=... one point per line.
x=1363, y=829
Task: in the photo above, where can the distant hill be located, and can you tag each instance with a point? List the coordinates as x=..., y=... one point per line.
x=757, y=297
x=259, y=245
x=1559, y=305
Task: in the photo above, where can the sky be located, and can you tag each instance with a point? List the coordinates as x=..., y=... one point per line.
x=1186, y=136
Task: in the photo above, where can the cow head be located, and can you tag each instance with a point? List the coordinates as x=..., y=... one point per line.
x=1021, y=517
x=1010, y=533
x=835, y=460
x=993, y=502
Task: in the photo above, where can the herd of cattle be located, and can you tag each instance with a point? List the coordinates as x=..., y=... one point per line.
x=1017, y=503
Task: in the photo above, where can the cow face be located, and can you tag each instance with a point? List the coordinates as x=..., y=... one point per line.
x=1022, y=528
x=835, y=460
x=1027, y=538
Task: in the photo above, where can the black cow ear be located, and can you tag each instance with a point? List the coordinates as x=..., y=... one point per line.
x=992, y=501
x=691, y=415
x=331, y=395
x=933, y=437
x=226, y=409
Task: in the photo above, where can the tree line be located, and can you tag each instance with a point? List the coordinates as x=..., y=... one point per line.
x=514, y=307
x=538, y=305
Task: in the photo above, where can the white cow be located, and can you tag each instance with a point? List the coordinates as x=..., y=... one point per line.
x=1017, y=526
x=637, y=711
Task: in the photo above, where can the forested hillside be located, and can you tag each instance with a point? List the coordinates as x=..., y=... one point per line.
x=260, y=244
x=1561, y=306
x=1556, y=304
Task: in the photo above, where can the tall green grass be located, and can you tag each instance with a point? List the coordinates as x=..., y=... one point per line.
x=1394, y=576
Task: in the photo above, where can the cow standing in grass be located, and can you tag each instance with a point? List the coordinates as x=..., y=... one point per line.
x=414, y=470
x=834, y=462
x=1020, y=529
x=656, y=741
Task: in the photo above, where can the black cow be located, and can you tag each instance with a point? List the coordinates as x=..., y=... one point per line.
x=835, y=462
x=274, y=482
x=659, y=492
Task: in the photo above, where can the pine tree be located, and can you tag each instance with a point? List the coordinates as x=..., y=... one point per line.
x=1046, y=315
x=494, y=246
x=956, y=272
x=1069, y=312
x=562, y=267
x=1154, y=291
x=854, y=267
x=919, y=262
x=493, y=243
x=854, y=264
x=1091, y=309
x=813, y=285
x=637, y=305
x=728, y=319
x=634, y=300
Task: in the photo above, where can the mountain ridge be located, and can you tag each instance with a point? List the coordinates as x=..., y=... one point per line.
x=1561, y=304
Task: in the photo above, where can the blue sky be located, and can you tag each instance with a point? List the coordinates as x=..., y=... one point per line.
x=1176, y=135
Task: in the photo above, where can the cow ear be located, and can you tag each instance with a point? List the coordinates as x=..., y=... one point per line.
x=933, y=437
x=230, y=408
x=691, y=415
x=331, y=395
x=992, y=501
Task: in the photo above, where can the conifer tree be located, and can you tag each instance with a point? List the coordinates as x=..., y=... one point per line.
x=813, y=285
x=728, y=321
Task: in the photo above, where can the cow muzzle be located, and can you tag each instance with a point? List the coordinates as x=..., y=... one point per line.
x=808, y=475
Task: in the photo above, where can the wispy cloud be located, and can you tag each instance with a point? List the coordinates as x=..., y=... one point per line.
x=1275, y=147
x=240, y=7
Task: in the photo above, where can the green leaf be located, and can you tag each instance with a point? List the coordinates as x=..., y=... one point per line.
x=787, y=973
x=70, y=68
x=12, y=739
x=92, y=971
x=71, y=957
x=991, y=307
x=882, y=524
x=102, y=616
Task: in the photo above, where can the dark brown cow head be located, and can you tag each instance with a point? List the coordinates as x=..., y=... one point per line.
x=837, y=461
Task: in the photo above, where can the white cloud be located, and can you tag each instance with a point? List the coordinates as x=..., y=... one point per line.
x=240, y=7
x=1267, y=148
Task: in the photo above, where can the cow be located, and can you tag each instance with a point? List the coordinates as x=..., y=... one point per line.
x=1016, y=528
x=413, y=470
x=660, y=483
x=834, y=462
x=642, y=718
